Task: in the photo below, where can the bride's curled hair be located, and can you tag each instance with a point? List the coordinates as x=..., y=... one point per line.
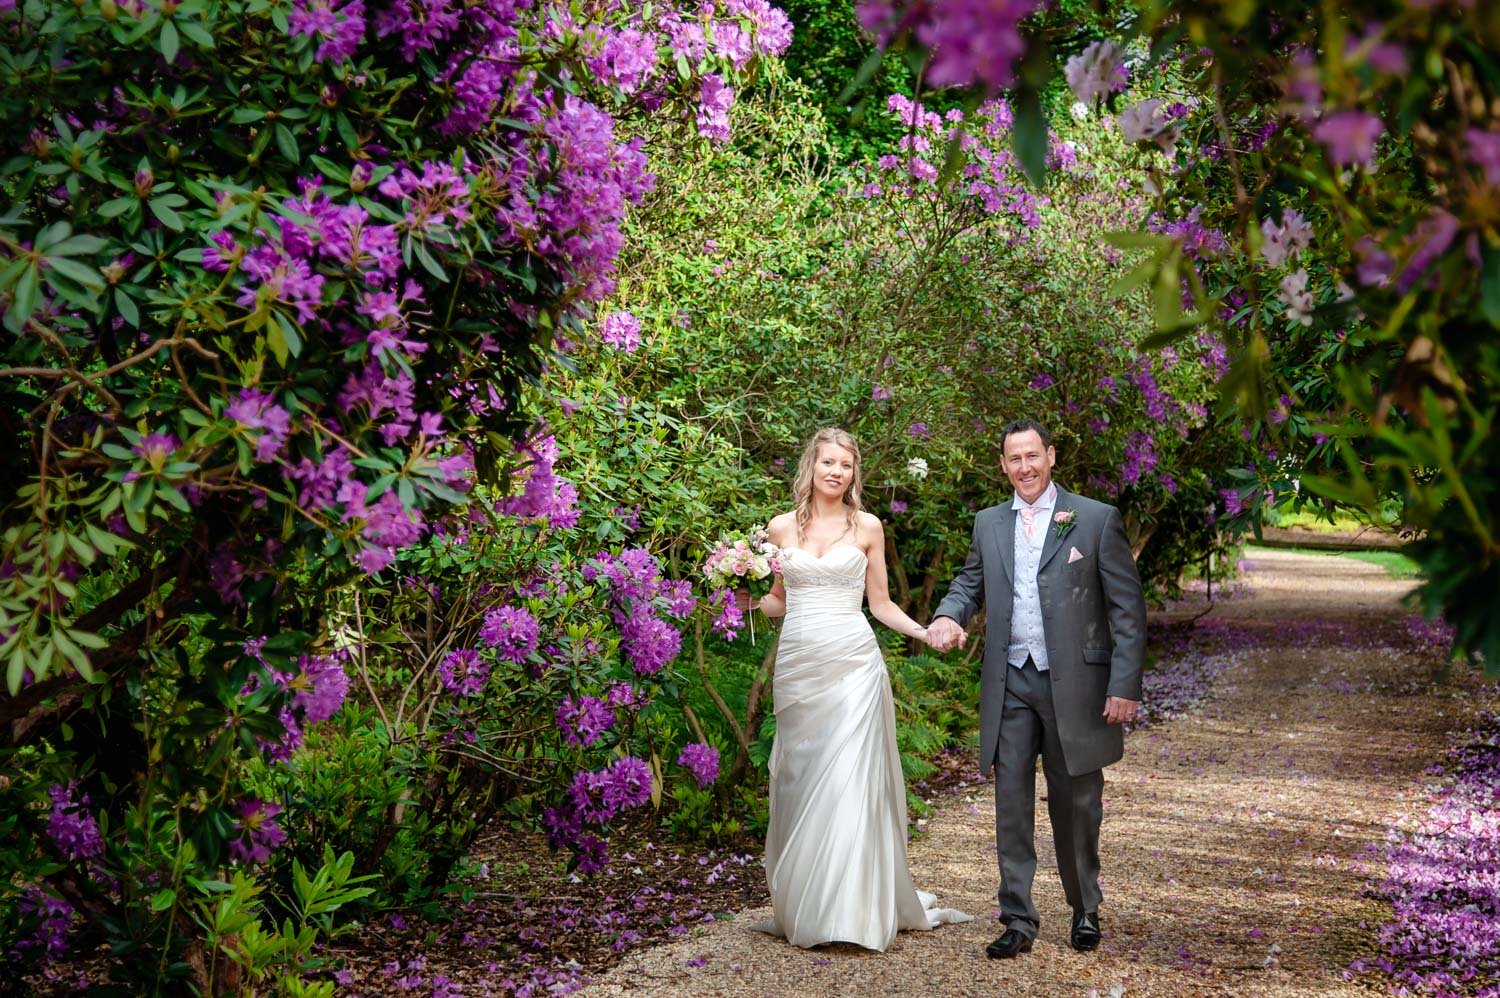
x=802, y=486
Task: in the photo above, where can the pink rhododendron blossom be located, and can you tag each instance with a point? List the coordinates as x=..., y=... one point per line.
x=622, y=330
x=1349, y=137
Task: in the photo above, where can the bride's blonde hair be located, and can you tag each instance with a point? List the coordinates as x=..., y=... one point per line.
x=802, y=490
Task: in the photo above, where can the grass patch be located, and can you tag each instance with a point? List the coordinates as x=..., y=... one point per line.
x=1396, y=564
x=1342, y=522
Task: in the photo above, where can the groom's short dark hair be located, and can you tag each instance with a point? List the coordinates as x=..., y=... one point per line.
x=1021, y=426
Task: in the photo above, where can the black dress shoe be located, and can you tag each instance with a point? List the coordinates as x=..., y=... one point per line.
x=1008, y=945
x=1085, y=934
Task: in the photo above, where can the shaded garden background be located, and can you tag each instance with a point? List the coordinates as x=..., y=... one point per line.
x=380, y=378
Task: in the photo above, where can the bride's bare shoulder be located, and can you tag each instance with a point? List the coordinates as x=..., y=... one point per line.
x=782, y=529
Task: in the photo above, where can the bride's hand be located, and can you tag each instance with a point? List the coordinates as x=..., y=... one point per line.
x=744, y=601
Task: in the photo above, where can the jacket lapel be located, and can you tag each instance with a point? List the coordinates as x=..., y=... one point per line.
x=1053, y=543
x=1007, y=540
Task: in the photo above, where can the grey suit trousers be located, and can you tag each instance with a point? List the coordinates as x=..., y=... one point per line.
x=1075, y=804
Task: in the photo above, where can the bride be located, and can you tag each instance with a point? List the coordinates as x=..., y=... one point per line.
x=836, y=847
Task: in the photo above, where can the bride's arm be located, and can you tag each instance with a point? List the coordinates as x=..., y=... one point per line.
x=773, y=603
x=877, y=587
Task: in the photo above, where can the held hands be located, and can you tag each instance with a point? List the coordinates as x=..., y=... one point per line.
x=944, y=634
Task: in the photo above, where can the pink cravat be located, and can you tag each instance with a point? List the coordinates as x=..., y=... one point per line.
x=1028, y=519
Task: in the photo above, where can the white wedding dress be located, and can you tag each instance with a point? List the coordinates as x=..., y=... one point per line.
x=836, y=847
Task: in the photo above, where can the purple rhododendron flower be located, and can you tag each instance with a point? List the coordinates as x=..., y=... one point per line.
x=589, y=793
x=969, y=40
x=463, y=672
x=702, y=760
x=622, y=330
x=715, y=99
x=259, y=834
x=319, y=689
x=1234, y=505
x=1349, y=137
x=629, y=781
x=648, y=642
x=339, y=29
x=680, y=599
x=584, y=720
x=593, y=854
x=70, y=826
x=258, y=411
x=54, y=918
x=156, y=448
x=730, y=619
x=512, y=631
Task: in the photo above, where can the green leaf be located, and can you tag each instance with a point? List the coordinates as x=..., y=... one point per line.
x=169, y=41
x=198, y=34
x=23, y=300
x=75, y=655
x=289, y=333
x=127, y=308
x=15, y=670
x=1489, y=286
x=286, y=143
x=119, y=206
x=163, y=899
x=52, y=235
x=166, y=215
x=80, y=245
x=428, y=262
x=89, y=277
x=1029, y=135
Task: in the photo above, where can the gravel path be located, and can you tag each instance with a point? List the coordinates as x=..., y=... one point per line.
x=1234, y=838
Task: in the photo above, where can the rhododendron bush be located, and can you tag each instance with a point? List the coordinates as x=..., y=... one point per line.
x=921, y=310
x=272, y=278
x=1346, y=157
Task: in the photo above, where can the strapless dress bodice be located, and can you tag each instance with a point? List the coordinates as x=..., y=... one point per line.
x=833, y=580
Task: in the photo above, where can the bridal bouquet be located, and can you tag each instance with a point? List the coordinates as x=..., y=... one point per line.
x=742, y=566
x=743, y=560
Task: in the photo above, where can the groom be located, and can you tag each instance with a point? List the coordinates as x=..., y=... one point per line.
x=1065, y=639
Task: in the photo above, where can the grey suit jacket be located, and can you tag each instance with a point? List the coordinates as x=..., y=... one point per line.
x=1093, y=614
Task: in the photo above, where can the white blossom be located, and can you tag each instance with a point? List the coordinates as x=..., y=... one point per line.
x=1298, y=300
x=1281, y=243
x=1144, y=121
x=1097, y=71
x=917, y=467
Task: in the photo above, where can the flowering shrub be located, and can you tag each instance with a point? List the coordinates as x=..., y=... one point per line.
x=270, y=306
x=1341, y=155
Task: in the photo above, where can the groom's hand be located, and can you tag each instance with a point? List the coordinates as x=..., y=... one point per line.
x=1118, y=710
x=944, y=634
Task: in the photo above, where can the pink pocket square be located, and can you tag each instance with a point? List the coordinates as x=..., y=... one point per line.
x=1074, y=555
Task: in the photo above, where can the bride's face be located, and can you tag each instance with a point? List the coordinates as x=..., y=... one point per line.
x=833, y=470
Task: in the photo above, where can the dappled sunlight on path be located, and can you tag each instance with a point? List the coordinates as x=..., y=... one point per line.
x=1237, y=838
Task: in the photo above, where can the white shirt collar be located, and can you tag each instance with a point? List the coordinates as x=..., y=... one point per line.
x=1046, y=500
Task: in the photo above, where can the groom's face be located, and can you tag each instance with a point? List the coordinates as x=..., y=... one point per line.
x=1028, y=464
